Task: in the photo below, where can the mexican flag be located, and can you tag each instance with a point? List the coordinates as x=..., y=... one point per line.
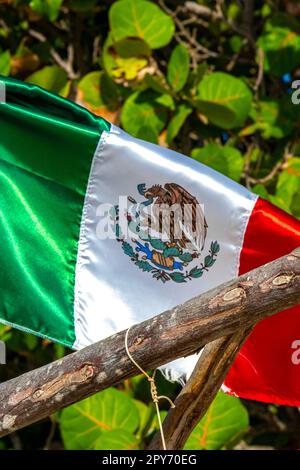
x=78, y=263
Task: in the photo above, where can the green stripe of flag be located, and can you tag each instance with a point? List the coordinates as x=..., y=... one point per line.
x=46, y=148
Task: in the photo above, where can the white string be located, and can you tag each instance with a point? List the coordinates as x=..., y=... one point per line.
x=153, y=390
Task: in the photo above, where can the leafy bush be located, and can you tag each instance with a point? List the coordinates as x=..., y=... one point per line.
x=211, y=79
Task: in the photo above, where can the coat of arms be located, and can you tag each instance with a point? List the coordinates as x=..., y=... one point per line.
x=172, y=249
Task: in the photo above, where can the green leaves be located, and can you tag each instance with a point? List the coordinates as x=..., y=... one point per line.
x=132, y=47
x=90, y=90
x=171, y=251
x=157, y=244
x=209, y=261
x=141, y=19
x=117, y=439
x=270, y=120
x=96, y=91
x=178, y=67
x=223, y=425
x=288, y=188
x=51, y=77
x=49, y=8
x=281, y=45
x=128, y=250
x=142, y=109
x=225, y=159
x=124, y=59
x=94, y=423
x=185, y=257
x=224, y=100
x=5, y=63
x=177, y=121
x=214, y=248
x=177, y=277
x=196, y=272
x=109, y=420
x=144, y=266
x=147, y=133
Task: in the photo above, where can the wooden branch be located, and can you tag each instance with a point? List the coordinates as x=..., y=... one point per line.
x=178, y=332
x=66, y=65
x=194, y=45
x=197, y=395
x=278, y=167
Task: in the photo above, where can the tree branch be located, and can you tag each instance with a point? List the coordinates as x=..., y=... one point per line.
x=196, y=49
x=278, y=168
x=181, y=331
x=66, y=65
x=195, y=398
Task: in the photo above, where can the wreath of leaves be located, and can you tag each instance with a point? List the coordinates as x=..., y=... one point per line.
x=157, y=244
x=195, y=273
x=198, y=271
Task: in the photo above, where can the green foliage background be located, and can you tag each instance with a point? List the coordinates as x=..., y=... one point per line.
x=211, y=79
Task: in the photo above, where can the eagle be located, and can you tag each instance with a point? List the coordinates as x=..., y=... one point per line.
x=192, y=222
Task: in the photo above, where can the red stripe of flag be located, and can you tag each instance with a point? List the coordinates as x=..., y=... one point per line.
x=267, y=368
